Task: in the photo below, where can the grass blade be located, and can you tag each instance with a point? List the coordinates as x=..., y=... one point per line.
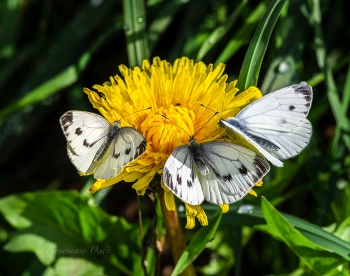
x=332, y=93
x=198, y=243
x=220, y=32
x=62, y=80
x=250, y=215
x=242, y=37
x=162, y=22
x=135, y=31
x=314, y=256
x=252, y=62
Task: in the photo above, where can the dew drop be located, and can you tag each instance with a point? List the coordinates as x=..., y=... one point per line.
x=141, y=19
x=184, y=1
x=245, y=209
x=284, y=67
x=127, y=27
x=181, y=208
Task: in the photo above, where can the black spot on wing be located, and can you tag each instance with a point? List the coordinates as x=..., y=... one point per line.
x=283, y=121
x=260, y=168
x=227, y=177
x=127, y=151
x=175, y=190
x=116, y=156
x=142, y=147
x=305, y=112
x=168, y=179
x=78, y=131
x=67, y=118
x=243, y=170
x=189, y=184
x=179, y=179
x=86, y=144
x=218, y=176
x=308, y=105
x=291, y=107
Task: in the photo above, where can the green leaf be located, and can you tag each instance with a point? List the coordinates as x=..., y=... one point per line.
x=249, y=215
x=220, y=32
x=135, y=31
x=198, y=243
x=61, y=224
x=314, y=256
x=252, y=62
x=243, y=35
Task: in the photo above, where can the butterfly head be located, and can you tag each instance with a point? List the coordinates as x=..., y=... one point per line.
x=192, y=141
x=117, y=123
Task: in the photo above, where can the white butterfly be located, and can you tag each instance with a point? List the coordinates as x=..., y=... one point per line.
x=219, y=172
x=94, y=145
x=276, y=124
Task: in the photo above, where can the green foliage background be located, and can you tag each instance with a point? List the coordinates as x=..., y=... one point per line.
x=50, y=50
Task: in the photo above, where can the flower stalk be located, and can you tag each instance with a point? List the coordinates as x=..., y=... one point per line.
x=174, y=235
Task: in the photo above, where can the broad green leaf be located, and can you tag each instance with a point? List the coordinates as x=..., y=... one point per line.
x=243, y=35
x=249, y=215
x=61, y=224
x=314, y=256
x=252, y=62
x=220, y=32
x=75, y=266
x=198, y=243
x=135, y=31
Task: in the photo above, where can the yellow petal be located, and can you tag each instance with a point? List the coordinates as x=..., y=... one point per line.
x=224, y=207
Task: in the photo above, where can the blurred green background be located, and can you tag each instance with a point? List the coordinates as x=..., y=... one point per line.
x=50, y=50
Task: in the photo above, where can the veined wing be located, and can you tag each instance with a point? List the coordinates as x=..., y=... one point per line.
x=255, y=141
x=234, y=170
x=85, y=163
x=83, y=130
x=289, y=144
x=103, y=169
x=181, y=176
x=129, y=145
x=282, y=110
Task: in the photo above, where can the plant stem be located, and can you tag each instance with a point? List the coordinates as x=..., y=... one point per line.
x=174, y=235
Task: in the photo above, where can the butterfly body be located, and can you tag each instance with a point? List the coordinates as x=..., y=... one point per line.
x=112, y=133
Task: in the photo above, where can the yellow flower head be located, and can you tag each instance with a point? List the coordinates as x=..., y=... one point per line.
x=175, y=91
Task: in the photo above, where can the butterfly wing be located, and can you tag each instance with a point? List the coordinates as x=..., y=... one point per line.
x=282, y=110
x=127, y=146
x=274, y=123
x=234, y=170
x=85, y=163
x=289, y=144
x=181, y=176
x=83, y=130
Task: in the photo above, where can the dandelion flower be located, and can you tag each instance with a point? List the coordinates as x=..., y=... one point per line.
x=175, y=91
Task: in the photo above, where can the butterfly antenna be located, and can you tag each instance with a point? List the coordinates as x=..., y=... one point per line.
x=104, y=96
x=210, y=109
x=136, y=112
x=177, y=125
x=206, y=122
